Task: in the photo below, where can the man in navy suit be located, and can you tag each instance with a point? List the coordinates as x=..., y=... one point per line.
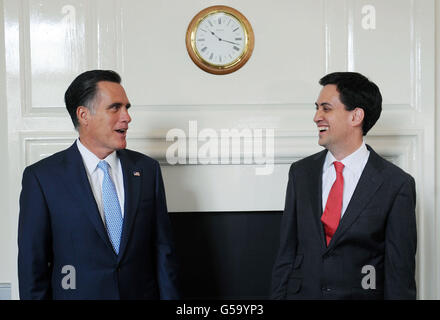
x=349, y=228
x=93, y=218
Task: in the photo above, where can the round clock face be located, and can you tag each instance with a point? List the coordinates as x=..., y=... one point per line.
x=219, y=40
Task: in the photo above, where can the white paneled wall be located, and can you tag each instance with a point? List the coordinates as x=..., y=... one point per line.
x=47, y=43
x=436, y=238
x=6, y=247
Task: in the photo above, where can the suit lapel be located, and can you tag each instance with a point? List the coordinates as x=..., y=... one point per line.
x=78, y=183
x=367, y=186
x=314, y=178
x=132, y=185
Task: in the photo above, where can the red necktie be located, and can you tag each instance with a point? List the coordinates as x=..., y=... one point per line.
x=332, y=213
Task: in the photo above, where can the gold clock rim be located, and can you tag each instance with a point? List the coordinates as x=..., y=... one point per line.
x=196, y=51
x=205, y=65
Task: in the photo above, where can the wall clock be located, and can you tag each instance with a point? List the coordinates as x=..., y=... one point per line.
x=219, y=40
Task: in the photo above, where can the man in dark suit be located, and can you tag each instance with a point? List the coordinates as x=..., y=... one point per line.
x=349, y=227
x=93, y=219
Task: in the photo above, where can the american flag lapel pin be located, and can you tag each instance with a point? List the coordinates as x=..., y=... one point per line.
x=136, y=173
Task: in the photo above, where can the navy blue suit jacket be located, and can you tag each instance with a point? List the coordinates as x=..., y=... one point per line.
x=60, y=225
x=378, y=229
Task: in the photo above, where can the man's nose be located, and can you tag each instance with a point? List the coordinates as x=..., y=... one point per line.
x=318, y=116
x=125, y=116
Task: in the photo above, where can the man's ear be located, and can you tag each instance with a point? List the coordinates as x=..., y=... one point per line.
x=83, y=115
x=358, y=116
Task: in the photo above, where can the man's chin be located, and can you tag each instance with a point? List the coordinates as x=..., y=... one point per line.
x=121, y=145
x=322, y=143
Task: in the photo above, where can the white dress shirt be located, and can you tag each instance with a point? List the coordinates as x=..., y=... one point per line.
x=96, y=175
x=354, y=165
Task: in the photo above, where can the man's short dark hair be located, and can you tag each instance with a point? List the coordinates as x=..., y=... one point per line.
x=82, y=91
x=356, y=91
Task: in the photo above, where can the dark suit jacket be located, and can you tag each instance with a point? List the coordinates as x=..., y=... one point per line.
x=377, y=229
x=60, y=225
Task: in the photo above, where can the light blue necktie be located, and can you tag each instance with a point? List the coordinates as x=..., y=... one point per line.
x=112, y=209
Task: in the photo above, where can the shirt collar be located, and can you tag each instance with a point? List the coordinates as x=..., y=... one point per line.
x=353, y=161
x=91, y=160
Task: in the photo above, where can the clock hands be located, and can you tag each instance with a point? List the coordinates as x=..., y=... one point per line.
x=230, y=42
x=220, y=39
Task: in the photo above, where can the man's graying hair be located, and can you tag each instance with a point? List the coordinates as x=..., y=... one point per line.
x=82, y=91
